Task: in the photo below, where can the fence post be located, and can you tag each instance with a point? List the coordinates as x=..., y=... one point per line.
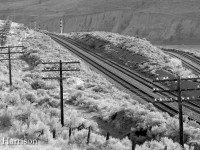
x=88, y=138
x=133, y=144
x=107, y=136
x=10, y=69
x=54, y=133
x=70, y=132
x=165, y=148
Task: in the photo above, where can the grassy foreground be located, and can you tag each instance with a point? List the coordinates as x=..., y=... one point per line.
x=31, y=105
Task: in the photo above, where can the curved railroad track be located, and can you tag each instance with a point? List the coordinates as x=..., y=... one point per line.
x=143, y=80
x=193, y=59
x=185, y=54
x=127, y=73
x=188, y=65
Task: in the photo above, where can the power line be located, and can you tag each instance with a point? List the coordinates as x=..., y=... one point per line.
x=9, y=59
x=60, y=78
x=179, y=99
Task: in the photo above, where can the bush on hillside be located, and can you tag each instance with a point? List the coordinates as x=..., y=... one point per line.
x=38, y=84
x=44, y=100
x=33, y=59
x=41, y=93
x=5, y=121
x=160, y=145
x=12, y=98
x=55, y=103
x=31, y=97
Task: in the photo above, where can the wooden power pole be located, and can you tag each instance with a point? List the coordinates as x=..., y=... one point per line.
x=60, y=78
x=179, y=99
x=9, y=59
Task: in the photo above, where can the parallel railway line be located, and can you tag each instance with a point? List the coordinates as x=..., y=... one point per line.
x=186, y=55
x=145, y=81
x=148, y=96
x=195, y=69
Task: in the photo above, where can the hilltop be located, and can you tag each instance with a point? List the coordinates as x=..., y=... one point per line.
x=160, y=21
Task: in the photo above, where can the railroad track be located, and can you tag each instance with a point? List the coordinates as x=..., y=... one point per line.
x=146, y=95
x=145, y=81
x=195, y=68
x=195, y=60
x=185, y=54
x=188, y=56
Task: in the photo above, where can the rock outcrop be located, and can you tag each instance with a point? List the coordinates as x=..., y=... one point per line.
x=159, y=21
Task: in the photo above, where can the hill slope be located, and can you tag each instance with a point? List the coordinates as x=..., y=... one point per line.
x=169, y=21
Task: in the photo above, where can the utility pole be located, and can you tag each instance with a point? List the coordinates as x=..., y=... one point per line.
x=61, y=94
x=9, y=59
x=61, y=78
x=61, y=26
x=179, y=99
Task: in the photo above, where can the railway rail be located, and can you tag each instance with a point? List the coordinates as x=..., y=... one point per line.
x=145, y=81
x=181, y=55
x=185, y=54
x=148, y=96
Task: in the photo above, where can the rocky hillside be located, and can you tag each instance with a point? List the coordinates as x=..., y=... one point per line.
x=156, y=22
x=168, y=21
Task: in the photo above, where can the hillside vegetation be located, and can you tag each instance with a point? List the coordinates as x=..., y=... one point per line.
x=137, y=54
x=31, y=105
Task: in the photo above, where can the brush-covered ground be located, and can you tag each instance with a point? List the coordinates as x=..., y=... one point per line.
x=137, y=54
x=31, y=105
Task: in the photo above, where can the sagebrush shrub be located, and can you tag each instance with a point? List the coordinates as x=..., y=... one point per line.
x=54, y=112
x=5, y=121
x=12, y=98
x=31, y=97
x=3, y=84
x=32, y=59
x=50, y=85
x=41, y=92
x=54, y=103
x=43, y=100
x=38, y=84
x=74, y=96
